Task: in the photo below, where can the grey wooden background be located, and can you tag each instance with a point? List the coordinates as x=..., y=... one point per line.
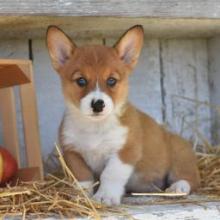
x=130, y=8
x=174, y=81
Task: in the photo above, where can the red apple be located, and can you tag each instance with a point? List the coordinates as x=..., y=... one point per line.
x=8, y=166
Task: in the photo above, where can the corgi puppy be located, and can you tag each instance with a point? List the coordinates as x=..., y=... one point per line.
x=103, y=136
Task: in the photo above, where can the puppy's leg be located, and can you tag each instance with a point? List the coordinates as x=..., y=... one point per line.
x=80, y=170
x=113, y=180
x=184, y=174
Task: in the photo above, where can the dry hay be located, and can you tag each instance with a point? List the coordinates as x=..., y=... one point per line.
x=209, y=166
x=53, y=197
x=62, y=197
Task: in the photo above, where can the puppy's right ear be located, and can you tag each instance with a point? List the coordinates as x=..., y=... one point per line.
x=130, y=44
x=60, y=47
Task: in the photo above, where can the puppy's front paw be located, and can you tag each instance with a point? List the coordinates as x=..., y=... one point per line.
x=181, y=186
x=108, y=197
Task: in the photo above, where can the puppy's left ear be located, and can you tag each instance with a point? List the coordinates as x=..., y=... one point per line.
x=130, y=44
x=60, y=47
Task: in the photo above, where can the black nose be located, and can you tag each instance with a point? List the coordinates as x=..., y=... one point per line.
x=97, y=105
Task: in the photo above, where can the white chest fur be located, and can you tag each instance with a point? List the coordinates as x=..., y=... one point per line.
x=96, y=141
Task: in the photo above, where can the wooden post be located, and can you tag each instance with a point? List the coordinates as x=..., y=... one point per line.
x=8, y=114
x=30, y=120
x=19, y=72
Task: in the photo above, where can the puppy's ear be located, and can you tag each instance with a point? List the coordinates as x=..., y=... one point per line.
x=60, y=46
x=130, y=44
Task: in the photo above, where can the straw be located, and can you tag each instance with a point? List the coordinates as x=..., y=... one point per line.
x=55, y=196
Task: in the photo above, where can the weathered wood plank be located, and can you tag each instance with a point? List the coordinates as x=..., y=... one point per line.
x=214, y=79
x=141, y=8
x=30, y=120
x=154, y=208
x=8, y=117
x=185, y=85
x=145, y=89
x=11, y=75
x=200, y=65
x=16, y=49
x=49, y=97
x=194, y=211
x=1, y=132
x=26, y=27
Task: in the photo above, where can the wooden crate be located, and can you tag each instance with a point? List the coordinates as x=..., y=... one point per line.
x=20, y=73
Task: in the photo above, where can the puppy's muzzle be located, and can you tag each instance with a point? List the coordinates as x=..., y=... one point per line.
x=97, y=105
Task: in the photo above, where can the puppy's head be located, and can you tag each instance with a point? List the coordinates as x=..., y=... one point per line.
x=95, y=78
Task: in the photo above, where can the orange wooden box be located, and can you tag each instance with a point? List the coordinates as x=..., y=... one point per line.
x=20, y=73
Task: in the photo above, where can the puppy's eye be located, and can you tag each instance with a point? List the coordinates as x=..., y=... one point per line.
x=111, y=81
x=81, y=82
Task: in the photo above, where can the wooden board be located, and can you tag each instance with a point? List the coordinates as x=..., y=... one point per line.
x=30, y=120
x=9, y=122
x=27, y=27
x=15, y=49
x=11, y=75
x=173, y=211
x=143, y=8
x=26, y=174
x=214, y=79
x=185, y=86
x=29, y=113
x=145, y=90
x=49, y=96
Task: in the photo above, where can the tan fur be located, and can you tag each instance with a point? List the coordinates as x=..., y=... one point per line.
x=155, y=153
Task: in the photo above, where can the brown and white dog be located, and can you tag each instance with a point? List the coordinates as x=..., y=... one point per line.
x=103, y=136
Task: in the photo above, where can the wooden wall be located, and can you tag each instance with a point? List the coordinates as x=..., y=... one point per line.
x=171, y=83
x=185, y=85
x=214, y=82
x=142, y=8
